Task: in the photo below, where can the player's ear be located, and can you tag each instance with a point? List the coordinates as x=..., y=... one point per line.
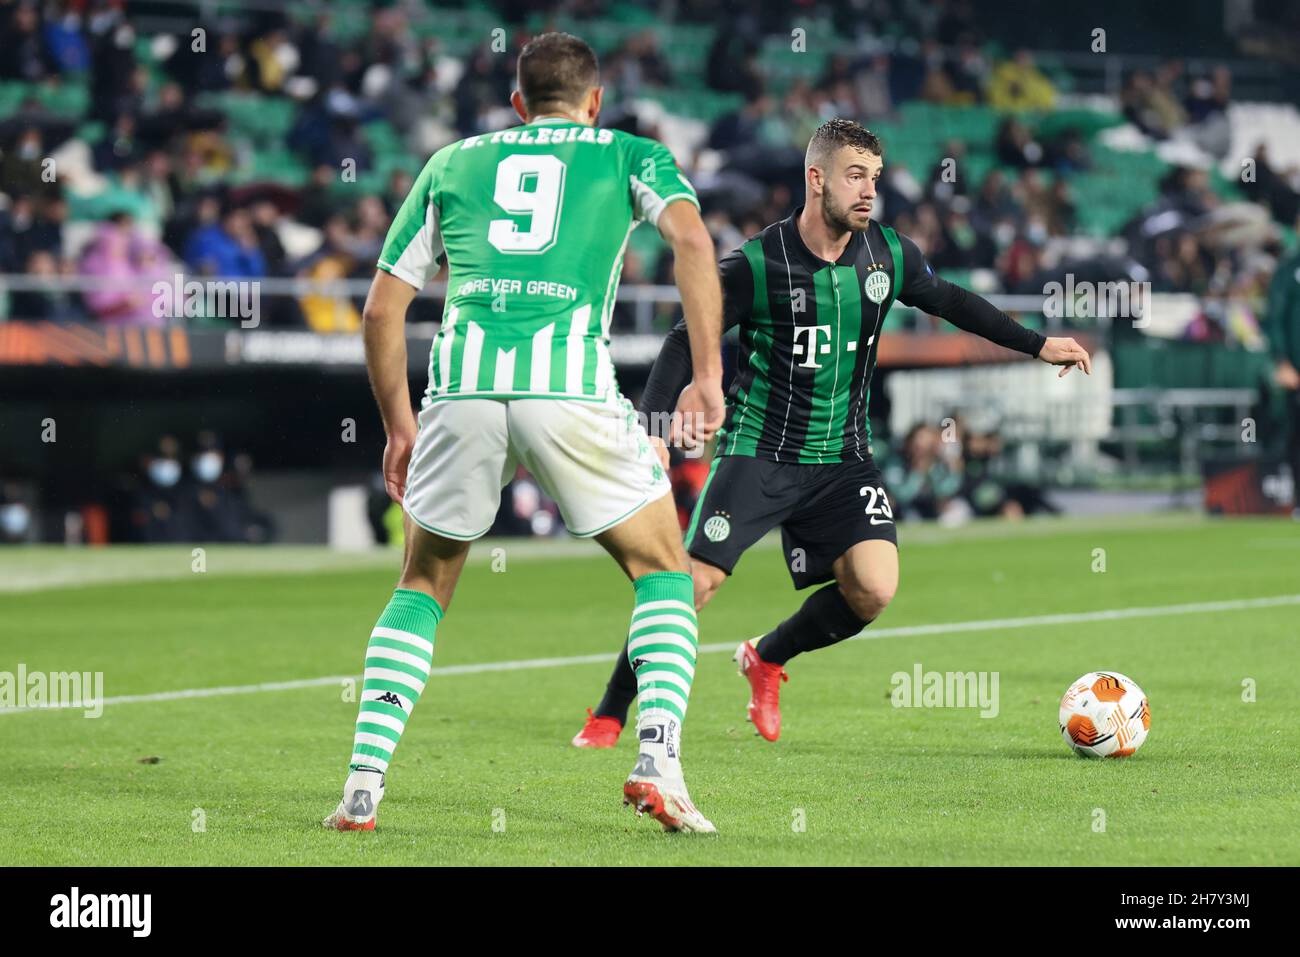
x=594, y=99
x=517, y=101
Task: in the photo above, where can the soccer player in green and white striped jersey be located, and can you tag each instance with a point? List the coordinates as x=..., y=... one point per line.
x=532, y=223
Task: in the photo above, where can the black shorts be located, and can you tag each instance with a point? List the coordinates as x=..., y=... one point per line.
x=823, y=511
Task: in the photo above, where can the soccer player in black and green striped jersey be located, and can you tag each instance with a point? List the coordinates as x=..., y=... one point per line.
x=810, y=295
x=532, y=223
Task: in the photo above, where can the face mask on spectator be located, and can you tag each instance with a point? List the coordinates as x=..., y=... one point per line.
x=14, y=520
x=207, y=466
x=164, y=472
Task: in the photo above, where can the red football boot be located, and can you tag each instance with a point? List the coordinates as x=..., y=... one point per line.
x=764, y=690
x=600, y=731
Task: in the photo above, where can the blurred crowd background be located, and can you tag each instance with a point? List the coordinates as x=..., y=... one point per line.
x=261, y=141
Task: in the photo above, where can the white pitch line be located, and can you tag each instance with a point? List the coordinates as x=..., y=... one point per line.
x=905, y=631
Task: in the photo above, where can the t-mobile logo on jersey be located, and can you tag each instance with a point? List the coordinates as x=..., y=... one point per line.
x=813, y=346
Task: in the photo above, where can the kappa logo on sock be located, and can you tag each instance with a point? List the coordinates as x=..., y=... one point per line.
x=637, y=663
x=389, y=698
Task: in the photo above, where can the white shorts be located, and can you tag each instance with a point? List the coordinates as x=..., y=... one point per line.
x=592, y=457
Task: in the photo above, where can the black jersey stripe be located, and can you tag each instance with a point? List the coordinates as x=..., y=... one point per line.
x=752, y=391
x=794, y=305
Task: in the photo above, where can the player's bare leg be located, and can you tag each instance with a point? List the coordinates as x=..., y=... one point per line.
x=398, y=658
x=662, y=645
x=866, y=577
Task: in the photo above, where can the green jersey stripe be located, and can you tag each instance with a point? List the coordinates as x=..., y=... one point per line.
x=848, y=330
x=699, y=502
x=827, y=312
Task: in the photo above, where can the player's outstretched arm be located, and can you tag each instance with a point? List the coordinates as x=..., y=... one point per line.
x=973, y=313
x=384, y=332
x=696, y=273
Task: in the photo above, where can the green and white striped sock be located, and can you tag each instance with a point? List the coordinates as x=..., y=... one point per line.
x=398, y=660
x=662, y=645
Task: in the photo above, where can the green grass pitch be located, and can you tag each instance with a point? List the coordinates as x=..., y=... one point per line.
x=484, y=774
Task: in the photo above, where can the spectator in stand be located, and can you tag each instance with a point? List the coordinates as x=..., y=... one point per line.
x=257, y=527
x=128, y=263
x=1207, y=112
x=158, y=511
x=334, y=260
x=922, y=481
x=214, y=502
x=1021, y=262
x=1184, y=265
x=170, y=115
x=937, y=85
x=1068, y=153
x=23, y=168
x=24, y=54
x=1150, y=104
x=396, y=191
x=120, y=147
x=265, y=217
x=274, y=58
x=318, y=200
x=1273, y=188
x=638, y=64
x=732, y=62
x=15, y=514
x=1015, y=145
x=964, y=246
x=994, y=201
x=223, y=68
x=968, y=72
x=32, y=226
x=54, y=304
x=948, y=177
x=114, y=79
x=872, y=88
x=989, y=491
x=229, y=249
x=1017, y=85
x=65, y=38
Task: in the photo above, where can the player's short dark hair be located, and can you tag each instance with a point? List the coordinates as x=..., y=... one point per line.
x=556, y=70
x=835, y=133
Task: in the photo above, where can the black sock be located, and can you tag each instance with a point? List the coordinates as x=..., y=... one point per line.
x=620, y=692
x=824, y=619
